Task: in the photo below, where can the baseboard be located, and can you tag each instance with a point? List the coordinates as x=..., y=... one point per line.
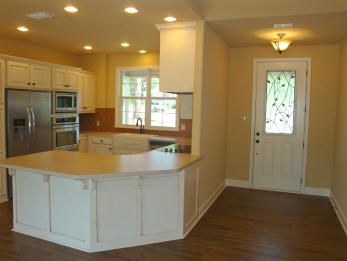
x=3, y=199
x=317, y=191
x=237, y=183
x=341, y=216
x=308, y=190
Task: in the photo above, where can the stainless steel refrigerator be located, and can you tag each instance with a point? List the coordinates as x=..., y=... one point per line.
x=28, y=124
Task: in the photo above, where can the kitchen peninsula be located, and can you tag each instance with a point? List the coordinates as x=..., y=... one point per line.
x=101, y=202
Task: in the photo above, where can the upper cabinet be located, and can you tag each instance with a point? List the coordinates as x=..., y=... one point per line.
x=177, y=57
x=65, y=78
x=86, y=87
x=28, y=75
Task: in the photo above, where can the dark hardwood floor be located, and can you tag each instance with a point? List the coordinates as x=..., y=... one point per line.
x=241, y=225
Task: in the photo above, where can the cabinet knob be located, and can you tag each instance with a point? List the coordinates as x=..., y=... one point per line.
x=28, y=83
x=34, y=84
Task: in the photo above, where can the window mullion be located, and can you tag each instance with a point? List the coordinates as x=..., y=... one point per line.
x=148, y=100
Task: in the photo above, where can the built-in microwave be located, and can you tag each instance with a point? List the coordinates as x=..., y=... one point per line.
x=65, y=102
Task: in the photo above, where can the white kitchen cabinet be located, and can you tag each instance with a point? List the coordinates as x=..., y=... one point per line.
x=3, y=191
x=40, y=76
x=160, y=203
x=18, y=74
x=102, y=149
x=32, y=199
x=177, y=57
x=118, y=208
x=100, y=145
x=86, y=87
x=69, y=207
x=28, y=75
x=83, y=145
x=65, y=78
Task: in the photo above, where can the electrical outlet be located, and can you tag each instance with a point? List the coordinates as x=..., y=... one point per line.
x=97, y=123
x=183, y=127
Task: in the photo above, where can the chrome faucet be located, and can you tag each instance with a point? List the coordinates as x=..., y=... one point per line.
x=142, y=126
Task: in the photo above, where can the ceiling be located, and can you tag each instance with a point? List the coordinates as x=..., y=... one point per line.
x=104, y=25
x=100, y=23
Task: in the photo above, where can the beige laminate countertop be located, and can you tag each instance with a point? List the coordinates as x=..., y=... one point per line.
x=86, y=165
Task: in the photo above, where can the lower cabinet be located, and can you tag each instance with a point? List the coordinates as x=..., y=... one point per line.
x=160, y=196
x=69, y=207
x=32, y=199
x=83, y=145
x=118, y=206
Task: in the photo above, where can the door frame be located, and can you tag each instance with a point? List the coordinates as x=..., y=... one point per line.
x=306, y=60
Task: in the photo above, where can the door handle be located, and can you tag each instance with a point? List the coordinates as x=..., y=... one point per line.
x=29, y=128
x=33, y=123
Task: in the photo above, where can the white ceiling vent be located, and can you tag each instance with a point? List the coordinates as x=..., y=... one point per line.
x=283, y=26
x=40, y=15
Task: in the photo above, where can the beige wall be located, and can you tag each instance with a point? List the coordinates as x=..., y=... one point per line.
x=30, y=51
x=324, y=84
x=125, y=60
x=213, y=126
x=105, y=65
x=339, y=184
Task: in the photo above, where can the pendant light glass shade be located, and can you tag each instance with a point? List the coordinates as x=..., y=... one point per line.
x=281, y=44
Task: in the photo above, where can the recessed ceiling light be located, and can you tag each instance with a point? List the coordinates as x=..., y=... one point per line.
x=71, y=9
x=88, y=47
x=170, y=19
x=131, y=10
x=142, y=51
x=22, y=29
x=125, y=44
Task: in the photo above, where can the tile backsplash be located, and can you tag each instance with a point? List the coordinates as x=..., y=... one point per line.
x=106, y=119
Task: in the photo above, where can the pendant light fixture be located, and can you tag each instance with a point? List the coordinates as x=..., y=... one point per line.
x=281, y=44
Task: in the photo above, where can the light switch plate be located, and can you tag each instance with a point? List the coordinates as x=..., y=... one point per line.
x=183, y=127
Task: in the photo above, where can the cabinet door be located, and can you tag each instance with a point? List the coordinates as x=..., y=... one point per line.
x=89, y=93
x=177, y=59
x=41, y=76
x=72, y=79
x=59, y=78
x=83, y=146
x=18, y=74
x=160, y=195
x=118, y=207
x=32, y=199
x=102, y=149
x=69, y=207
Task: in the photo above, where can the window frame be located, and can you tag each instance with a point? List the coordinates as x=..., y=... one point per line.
x=148, y=98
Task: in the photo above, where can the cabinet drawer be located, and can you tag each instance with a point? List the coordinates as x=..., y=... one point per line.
x=102, y=140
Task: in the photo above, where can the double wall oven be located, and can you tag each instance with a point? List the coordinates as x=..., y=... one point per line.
x=65, y=120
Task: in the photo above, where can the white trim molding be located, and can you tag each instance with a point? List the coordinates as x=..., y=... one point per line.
x=324, y=192
x=338, y=210
x=237, y=183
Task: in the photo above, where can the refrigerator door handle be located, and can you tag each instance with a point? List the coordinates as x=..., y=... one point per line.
x=29, y=128
x=33, y=122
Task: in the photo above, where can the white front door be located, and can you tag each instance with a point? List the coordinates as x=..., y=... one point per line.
x=279, y=125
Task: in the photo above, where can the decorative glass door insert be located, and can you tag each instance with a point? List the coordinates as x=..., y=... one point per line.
x=280, y=102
